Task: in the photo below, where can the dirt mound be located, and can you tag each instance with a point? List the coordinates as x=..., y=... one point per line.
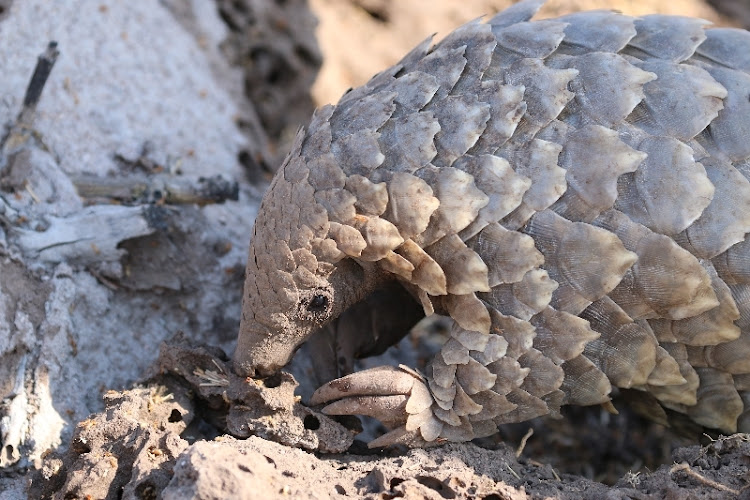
x=176, y=436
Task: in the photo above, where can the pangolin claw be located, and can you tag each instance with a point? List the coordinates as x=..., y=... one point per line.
x=396, y=396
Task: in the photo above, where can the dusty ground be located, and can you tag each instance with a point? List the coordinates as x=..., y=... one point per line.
x=175, y=437
x=182, y=431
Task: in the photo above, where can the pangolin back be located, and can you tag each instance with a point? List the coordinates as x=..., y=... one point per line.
x=574, y=193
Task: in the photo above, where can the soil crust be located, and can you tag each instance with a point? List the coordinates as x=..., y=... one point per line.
x=196, y=430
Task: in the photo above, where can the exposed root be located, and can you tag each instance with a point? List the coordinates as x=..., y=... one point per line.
x=684, y=467
x=524, y=439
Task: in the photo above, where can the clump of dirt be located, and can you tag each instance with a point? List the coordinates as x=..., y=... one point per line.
x=193, y=429
x=131, y=447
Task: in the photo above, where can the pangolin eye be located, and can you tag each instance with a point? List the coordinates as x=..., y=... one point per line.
x=318, y=303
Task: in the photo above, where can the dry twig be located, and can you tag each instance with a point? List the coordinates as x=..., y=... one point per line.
x=166, y=189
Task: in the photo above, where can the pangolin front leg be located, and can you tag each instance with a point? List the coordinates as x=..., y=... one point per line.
x=572, y=193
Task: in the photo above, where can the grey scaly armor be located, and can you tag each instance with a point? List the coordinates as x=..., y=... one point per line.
x=574, y=193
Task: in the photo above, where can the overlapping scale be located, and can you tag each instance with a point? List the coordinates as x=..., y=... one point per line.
x=507, y=107
x=410, y=204
x=524, y=298
x=460, y=202
x=673, y=38
x=726, y=220
x=586, y=261
x=561, y=336
x=596, y=31
x=509, y=255
x=667, y=370
x=682, y=104
x=668, y=191
x=666, y=281
x=418, y=150
x=594, y=158
x=546, y=93
x=536, y=40
x=464, y=269
x=503, y=187
x=711, y=327
x=721, y=45
x=516, y=13
x=728, y=132
x=682, y=394
x=537, y=161
x=719, y=404
x=625, y=351
x=469, y=312
x=584, y=383
x=607, y=87
x=734, y=264
x=479, y=43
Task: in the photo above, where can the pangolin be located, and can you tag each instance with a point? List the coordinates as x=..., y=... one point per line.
x=573, y=194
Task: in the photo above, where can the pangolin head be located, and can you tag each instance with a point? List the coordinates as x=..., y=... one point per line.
x=330, y=225
x=297, y=277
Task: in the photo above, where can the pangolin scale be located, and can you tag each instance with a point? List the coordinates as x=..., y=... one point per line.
x=573, y=193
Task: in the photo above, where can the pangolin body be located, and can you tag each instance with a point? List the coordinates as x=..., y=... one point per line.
x=573, y=193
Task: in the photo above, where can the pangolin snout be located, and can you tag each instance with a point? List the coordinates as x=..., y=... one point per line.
x=261, y=354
